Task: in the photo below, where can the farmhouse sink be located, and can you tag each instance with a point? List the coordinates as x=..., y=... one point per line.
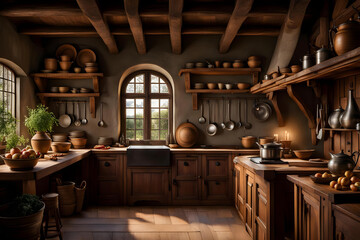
x=148, y=156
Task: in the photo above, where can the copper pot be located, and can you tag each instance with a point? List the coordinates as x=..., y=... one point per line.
x=346, y=36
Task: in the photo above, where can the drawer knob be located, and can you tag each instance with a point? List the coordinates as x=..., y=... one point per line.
x=107, y=164
x=217, y=164
x=186, y=164
x=174, y=182
x=217, y=183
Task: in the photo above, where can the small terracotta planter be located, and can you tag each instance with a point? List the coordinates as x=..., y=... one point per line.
x=41, y=142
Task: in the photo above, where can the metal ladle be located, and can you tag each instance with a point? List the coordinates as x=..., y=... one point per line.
x=78, y=120
x=223, y=116
x=211, y=129
x=202, y=119
x=247, y=125
x=101, y=123
x=84, y=121
x=239, y=124
x=229, y=125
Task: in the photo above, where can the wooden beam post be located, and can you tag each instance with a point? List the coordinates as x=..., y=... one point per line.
x=175, y=23
x=289, y=35
x=238, y=16
x=91, y=10
x=273, y=98
x=132, y=13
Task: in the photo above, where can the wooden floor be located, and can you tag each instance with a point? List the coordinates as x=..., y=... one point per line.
x=190, y=223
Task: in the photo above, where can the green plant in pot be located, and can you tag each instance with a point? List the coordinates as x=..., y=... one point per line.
x=21, y=219
x=40, y=122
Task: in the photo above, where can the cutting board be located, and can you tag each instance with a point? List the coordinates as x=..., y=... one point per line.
x=304, y=163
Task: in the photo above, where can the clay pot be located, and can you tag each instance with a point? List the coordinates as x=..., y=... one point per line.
x=226, y=65
x=351, y=115
x=65, y=58
x=50, y=64
x=254, y=63
x=248, y=141
x=346, y=37
x=211, y=85
x=65, y=66
x=41, y=142
x=295, y=68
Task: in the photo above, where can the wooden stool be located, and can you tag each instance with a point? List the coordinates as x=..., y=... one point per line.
x=51, y=201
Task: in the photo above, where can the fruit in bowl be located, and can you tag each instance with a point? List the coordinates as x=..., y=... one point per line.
x=19, y=160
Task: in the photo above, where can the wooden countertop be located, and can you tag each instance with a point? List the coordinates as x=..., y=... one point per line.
x=44, y=167
x=269, y=171
x=192, y=150
x=324, y=190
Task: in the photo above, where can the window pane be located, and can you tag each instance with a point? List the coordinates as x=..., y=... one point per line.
x=139, y=124
x=164, y=88
x=139, y=103
x=163, y=134
x=154, y=103
x=130, y=134
x=161, y=81
x=154, y=123
x=139, y=113
x=139, y=88
x=164, y=103
x=139, y=134
x=164, y=113
x=1, y=71
x=1, y=84
x=139, y=79
x=130, y=88
x=163, y=124
x=129, y=103
x=154, y=134
x=130, y=124
x=132, y=81
x=154, y=88
x=154, y=79
x=154, y=113
x=130, y=113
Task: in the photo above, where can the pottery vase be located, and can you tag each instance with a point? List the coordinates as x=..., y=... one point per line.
x=351, y=115
x=334, y=118
x=41, y=142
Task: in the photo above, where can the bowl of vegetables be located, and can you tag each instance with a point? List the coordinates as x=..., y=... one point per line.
x=20, y=160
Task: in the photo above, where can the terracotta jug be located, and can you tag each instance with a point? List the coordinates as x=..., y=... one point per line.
x=347, y=36
x=351, y=115
x=41, y=142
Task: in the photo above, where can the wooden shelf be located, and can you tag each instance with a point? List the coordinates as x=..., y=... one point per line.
x=41, y=79
x=254, y=72
x=339, y=129
x=220, y=71
x=222, y=91
x=337, y=67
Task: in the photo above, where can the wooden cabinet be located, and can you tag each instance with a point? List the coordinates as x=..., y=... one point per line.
x=148, y=184
x=346, y=221
x=109, y=172
x=249, y=201
x=239, y=190
x=186, y=178
x=262, y=208
x=310, y=225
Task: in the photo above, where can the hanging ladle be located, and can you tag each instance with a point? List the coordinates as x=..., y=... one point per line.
x=247, y=125
x=202, y=119
x=84, y=121
x=229, y=125
x=222, y=124
x=239, y=124
x=101, y=123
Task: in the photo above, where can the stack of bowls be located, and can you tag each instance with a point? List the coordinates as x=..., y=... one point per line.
x=59, y=137
x=78, y=139
x=77, y=134
x=91, y=67
x=107, y=141
x=65, y=62
x=50, y=64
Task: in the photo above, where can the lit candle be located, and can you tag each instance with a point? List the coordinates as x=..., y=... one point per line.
x=288, y=136
x=285, y=134
x=276, y=137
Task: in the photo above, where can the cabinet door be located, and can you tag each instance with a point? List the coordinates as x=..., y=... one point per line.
x=262, y=208
x=310, y=217
x=148, y=184
x=249, y=202
x=186, y=178
x=109, y=179
x=216, y=165
x=345, y=227
x=239, y=190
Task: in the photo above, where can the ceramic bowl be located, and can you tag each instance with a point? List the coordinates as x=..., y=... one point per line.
x=20, y=164
x=275, y=75
x=211, y=85
x=77, y=69
x=229, y=86
x=54, y=89
x=78, y=142
x=304, y=154
x=243, y=86
x=199, y=85
x=65, y=58
x=189, y=65
x=221, y=85
x=217, y=63
x=254, y=58
x=248, y=141
x=91, y=64
x=285, y=70
x=295, y=68
x=65, y=66
x=60, y=147
x=77, y=134
x=238, y=64
x=226, y=65
x=91, y=69
x=254, y=63
x=200, y=65
x=59, y=138
x=64, y=89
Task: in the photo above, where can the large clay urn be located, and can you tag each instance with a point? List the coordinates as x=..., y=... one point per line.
x=347, y=37
x=41, y=142
x=351, y=115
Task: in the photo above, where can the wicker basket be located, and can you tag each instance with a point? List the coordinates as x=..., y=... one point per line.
x=80, y=194
x=67, y=198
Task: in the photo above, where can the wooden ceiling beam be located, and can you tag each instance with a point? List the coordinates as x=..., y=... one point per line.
x=175, y=23
x=289, y=35
x=59, y=31
x=345, y=14
x=91, y=9
x=41, y=10
x=132, y=13
x=238, y=16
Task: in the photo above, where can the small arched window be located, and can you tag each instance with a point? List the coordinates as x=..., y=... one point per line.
x=146, y=107
x=7, y=89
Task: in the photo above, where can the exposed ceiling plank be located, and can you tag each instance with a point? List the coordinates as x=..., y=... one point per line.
x=175, y=23
x=346, y=13
x=289, y=35
x=43, y=10
x=90, y=32
x=91, y=9
x=239, y=15
x=132, y=13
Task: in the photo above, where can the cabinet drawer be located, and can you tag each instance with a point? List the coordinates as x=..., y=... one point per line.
x=217, y=165
x=107, y=167
x=345, y=227
x=187, y=167
x=185, y=190
x=216, y=189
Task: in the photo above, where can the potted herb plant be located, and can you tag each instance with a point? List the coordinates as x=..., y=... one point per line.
x=40, y=122
x=22, y=218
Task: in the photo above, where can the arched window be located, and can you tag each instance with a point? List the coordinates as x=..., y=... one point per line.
x=146, y=107
x=7, y=89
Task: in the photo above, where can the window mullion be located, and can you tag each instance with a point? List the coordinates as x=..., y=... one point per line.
x=147, y=116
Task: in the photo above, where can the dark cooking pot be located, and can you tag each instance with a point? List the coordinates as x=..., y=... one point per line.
x=270, y=151
x=341, y=162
